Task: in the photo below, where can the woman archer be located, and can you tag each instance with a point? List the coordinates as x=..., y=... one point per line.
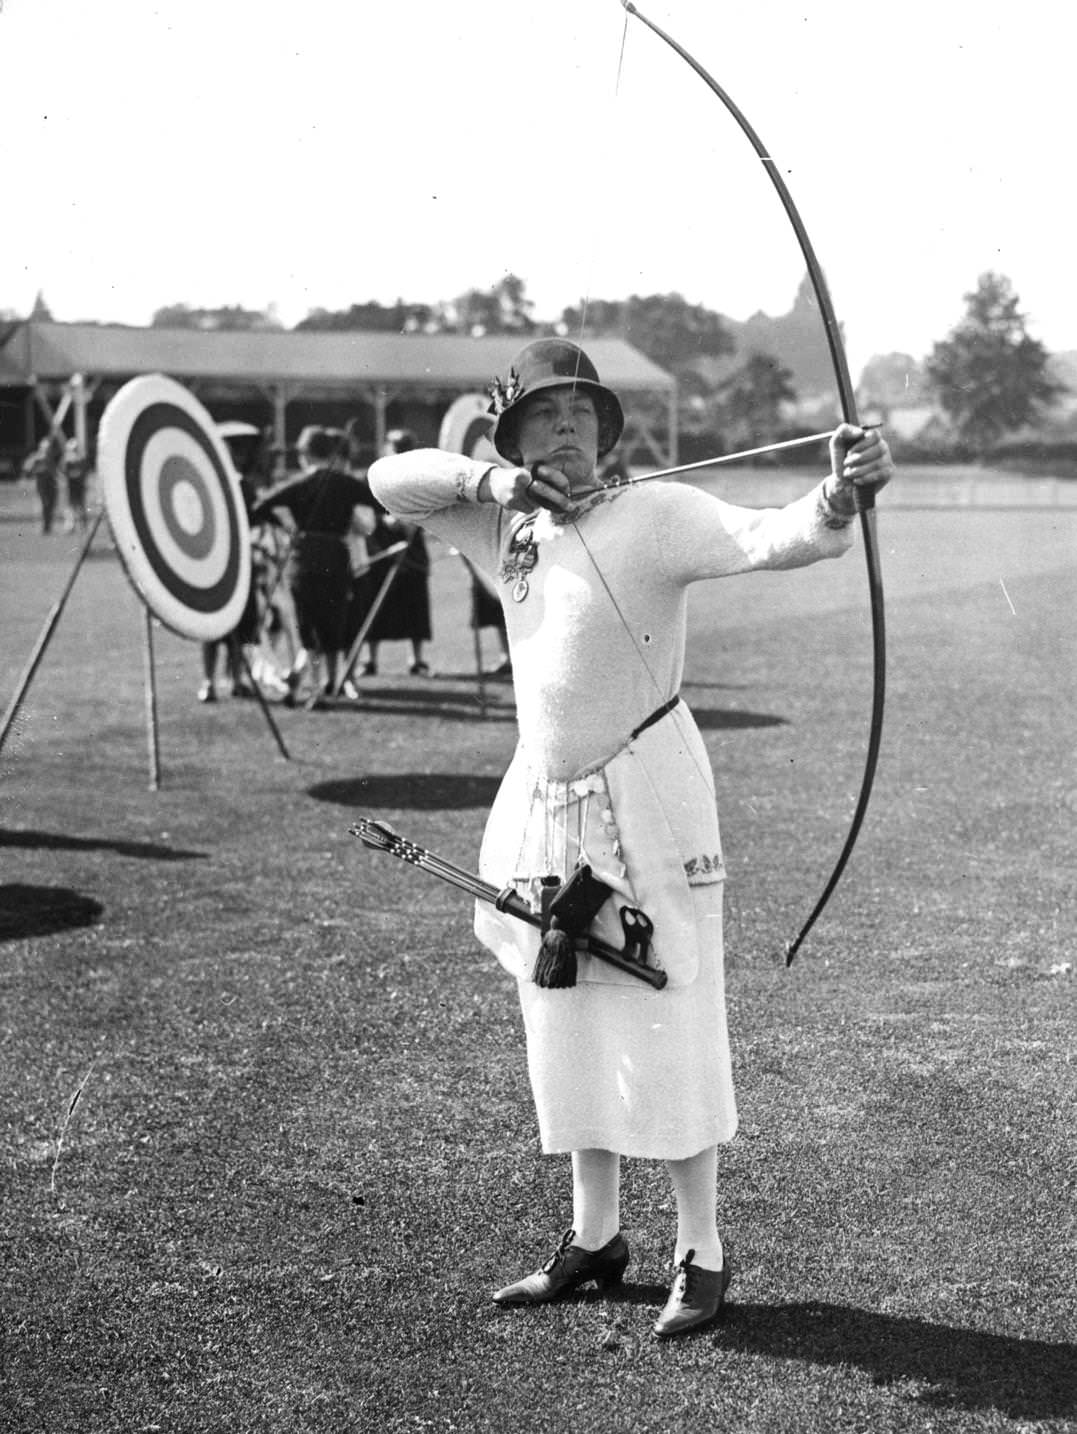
x=611, y=775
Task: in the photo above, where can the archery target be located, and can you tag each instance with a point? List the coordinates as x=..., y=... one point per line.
x=467, y=426
x=175, y=507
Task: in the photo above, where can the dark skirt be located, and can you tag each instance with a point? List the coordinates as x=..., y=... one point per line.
x=486, y=609
x=319, y=576
x=404, y=614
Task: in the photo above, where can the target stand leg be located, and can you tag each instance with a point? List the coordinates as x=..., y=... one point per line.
x=352, y=658
x=479, y=674
x=264, y=705
x=153, y=745
x=45, y=636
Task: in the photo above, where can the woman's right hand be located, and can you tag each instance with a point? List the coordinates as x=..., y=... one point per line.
x=525, y=490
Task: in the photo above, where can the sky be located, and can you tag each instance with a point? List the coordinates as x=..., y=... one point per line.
x=298, y=156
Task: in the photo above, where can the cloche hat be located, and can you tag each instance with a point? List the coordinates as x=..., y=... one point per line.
x=551, y=363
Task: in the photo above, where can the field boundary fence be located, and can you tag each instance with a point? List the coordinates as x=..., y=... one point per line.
x=914, y=488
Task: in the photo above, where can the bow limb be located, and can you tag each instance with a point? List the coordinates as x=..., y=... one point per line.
x=865, y=497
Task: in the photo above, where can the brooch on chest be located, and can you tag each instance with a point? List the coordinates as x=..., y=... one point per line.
x=520, y=559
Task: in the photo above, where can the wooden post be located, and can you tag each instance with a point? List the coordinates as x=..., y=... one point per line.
x=368, y=620
x=151, y=702
x=45, y=635
x=476, y=579
x=479, y=674
x=81, y=399
x=280, y=432
x=264, y=705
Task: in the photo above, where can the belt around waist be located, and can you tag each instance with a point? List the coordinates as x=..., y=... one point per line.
x=655, y=716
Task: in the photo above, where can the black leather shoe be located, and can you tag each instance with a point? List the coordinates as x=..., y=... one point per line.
x=567, y=1268
x=696, y=1299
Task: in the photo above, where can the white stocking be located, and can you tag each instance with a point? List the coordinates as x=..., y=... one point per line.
x=695, y=1183
x=596, y=1197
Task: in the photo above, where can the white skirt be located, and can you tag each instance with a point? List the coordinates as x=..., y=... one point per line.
x=645, y=1073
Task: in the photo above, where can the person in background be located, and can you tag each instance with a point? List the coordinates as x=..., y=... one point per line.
x=242, y=440
x=321, y=499
x=612, y=781
x=404, y=613
x=486, y=609
x=487, y=612
x=40, y=468
x=76, y=471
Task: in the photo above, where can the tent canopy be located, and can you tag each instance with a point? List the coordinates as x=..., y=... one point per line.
x=53, y=352
x=66, y=366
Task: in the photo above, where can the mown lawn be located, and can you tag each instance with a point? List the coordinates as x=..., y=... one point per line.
x=304, y=1152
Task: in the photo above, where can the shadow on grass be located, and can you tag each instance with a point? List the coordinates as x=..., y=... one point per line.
x=956, y=1368
x=699, y=684
x=447, y=709
x=423, y=697
x=58, y=841
x=464, y=706
x=410, y=791
x=944, y=1367
x=27, y=911
x=714, y=719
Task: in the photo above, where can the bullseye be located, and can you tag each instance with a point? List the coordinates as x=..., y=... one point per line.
x=187, y=507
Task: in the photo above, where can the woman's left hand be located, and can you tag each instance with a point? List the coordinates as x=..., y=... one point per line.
x=859, y=458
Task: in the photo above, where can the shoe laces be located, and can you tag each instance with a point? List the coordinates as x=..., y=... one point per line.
x=559, y=1254
x=685, y=1277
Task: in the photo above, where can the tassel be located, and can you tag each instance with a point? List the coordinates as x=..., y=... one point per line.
x=555, y=969
x=567, y=912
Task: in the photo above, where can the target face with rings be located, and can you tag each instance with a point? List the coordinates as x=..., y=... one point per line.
x=467, y=426
x=175, y=507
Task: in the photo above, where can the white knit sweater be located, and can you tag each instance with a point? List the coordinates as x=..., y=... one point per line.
x=598, y=642
x=597, y=645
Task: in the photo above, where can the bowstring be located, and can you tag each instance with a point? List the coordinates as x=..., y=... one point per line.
x=585, y=299
x=686, y=728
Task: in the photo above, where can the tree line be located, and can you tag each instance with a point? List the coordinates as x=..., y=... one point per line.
x=989, y=377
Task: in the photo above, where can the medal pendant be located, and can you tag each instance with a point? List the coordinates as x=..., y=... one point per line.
x=520, y=589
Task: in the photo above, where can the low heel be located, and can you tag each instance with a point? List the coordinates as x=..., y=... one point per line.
x=612, y=1276
x=567, y=1268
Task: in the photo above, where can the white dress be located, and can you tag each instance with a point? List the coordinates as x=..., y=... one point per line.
x=597, y=642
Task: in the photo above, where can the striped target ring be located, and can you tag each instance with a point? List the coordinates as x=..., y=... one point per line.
x=175, y=507
x=467, y=427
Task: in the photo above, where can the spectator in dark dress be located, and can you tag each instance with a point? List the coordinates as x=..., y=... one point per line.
x=486, y=609
x=242, y=440
x=404, y=614
x=40, y=466
x=487, y=612
x=321, y=500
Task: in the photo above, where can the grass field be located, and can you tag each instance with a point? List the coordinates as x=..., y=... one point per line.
x=303, y=1151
